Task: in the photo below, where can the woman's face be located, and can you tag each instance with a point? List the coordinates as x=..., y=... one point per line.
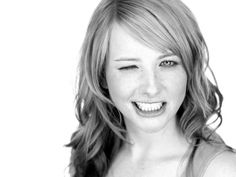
x=145, y=85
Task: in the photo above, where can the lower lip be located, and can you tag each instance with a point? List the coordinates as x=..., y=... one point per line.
x=150, y=114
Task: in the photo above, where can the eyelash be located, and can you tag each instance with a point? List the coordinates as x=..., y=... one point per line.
x=166, y=63
x=128, y=67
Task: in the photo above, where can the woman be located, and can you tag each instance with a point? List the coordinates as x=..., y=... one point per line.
x=143, y=100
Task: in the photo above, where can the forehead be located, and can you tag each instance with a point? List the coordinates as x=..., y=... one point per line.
x=124, y=44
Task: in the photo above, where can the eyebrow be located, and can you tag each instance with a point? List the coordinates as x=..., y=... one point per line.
x=137, y=59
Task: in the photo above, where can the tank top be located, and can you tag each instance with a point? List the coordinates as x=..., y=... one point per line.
x=204, y=155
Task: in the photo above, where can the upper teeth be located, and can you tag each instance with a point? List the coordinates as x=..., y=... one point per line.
x=149, y=106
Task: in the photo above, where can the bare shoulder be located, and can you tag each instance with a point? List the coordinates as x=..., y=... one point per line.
x=222, y=165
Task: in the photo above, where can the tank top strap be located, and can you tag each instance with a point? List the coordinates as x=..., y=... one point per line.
x=205, y=153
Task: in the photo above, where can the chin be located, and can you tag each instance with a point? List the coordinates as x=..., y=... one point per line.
x=150, y=125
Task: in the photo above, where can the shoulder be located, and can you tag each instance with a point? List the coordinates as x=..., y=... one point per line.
x=224, y=164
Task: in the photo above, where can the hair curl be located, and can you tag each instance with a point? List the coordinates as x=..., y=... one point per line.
x=166, y=25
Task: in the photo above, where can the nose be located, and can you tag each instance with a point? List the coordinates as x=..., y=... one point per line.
x=151, y=84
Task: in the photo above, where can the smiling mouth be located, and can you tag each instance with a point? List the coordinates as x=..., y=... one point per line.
x=150, y=109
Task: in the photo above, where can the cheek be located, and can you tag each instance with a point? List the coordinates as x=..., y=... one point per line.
x=178, y=86
x=120, y=87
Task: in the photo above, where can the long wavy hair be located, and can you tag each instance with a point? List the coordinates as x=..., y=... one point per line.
x=166, y=25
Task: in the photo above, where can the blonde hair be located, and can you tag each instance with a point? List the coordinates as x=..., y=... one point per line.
x=160, y=24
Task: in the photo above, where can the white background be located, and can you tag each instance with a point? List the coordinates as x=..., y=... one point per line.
x=39, y=48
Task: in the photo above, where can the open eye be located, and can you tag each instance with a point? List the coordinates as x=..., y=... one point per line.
x=128, y=67
x=168, y=63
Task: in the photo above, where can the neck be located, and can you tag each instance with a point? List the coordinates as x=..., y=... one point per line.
x=164, y=144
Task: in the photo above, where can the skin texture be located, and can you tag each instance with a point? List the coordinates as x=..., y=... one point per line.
x=147, y=79
x=142, y=74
